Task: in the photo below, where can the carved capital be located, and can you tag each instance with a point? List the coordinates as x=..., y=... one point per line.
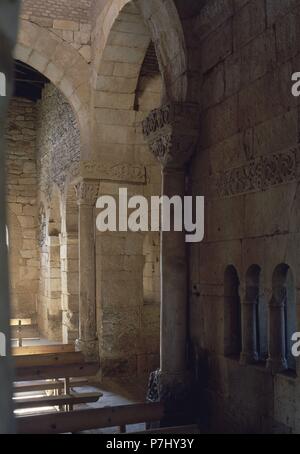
x=87, y=192
x=172, y=133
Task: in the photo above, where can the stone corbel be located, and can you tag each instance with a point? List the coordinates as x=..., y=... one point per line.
x=172, y=133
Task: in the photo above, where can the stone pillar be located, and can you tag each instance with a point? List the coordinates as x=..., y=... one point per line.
x=172, y=133
x=277, y=355
x=249, y=326
x=173, y=288
x=9, y=10
x=70, y=286
x=87, y=193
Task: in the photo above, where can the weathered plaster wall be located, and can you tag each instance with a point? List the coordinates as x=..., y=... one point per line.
x=247, y=167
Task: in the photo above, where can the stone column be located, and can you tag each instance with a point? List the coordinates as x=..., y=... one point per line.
x=173, y=288
x=87, y=193
x=277, y=355
x=70, y=286
x=172, y=132
x=249, y=326
x=9, y=10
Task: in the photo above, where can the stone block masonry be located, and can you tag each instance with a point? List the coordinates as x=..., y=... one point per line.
x=78, y=11
x=71, y=23
x=21, y=196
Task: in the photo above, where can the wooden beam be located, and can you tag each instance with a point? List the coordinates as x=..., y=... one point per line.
x=186, y=430
x=53, y=401
x=48, y=372
x=51, y=385
x=81, y=420
x=43, y=349
x=48, y=359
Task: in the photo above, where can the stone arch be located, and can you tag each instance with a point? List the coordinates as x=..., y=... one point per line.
x=63, y=66
x=124, y=32
x=158, y=21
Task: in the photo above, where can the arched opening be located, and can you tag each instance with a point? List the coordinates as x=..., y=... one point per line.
x=44, y=142
x=232, y=313
x=123, y=97
x=70, y=266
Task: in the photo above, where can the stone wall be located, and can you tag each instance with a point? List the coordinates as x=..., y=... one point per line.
x=22, y=207
x=69, y=21
x=77, y=10
x=247, y=167
x=128, y=265
x=58, y=141
x=58, y=153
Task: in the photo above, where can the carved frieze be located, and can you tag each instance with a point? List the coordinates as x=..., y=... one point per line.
x=258, y=174
x=172, y=133
x=119, y=172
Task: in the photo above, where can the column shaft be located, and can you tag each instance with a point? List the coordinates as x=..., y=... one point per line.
x=87, y=194
x=249, y=335
x=173, y=287
x=277, y=355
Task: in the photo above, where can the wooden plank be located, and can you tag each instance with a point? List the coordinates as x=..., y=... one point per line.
x=48, y=372
x=51, y=385
x=38, y=386
x=186, y=430
x=49, y=359
x=43, y=349
x=53, y=401
x=81, y=420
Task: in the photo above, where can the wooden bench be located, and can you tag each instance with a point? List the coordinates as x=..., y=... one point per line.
x=50, y=385
x=43, y=349
x=85, y=420
x=52, y=401
x=47, y=372
x=20, y=324
x=48, y=359
x=185, y=430
x=53, y=367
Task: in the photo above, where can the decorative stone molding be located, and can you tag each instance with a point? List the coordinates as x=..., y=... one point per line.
x=172, y=133
x=87, y=192
x=259, y=174
x=122, y=172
